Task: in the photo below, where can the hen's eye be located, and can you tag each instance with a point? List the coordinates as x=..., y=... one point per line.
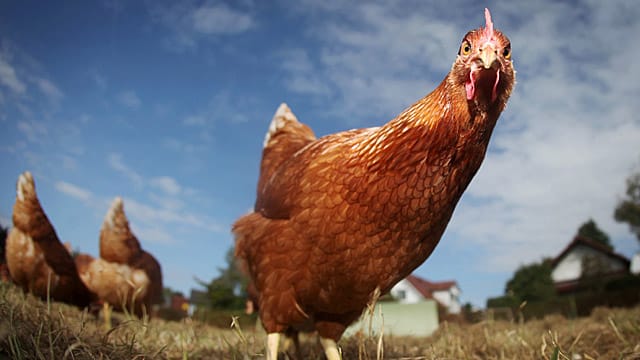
x=507, y=52
x=465, y=48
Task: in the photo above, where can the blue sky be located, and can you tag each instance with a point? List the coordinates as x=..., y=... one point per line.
x=166, y=104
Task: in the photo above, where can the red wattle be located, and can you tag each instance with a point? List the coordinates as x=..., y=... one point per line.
x=470, y=86
x=494, y=93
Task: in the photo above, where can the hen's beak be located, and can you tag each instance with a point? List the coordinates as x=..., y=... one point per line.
x=488, y=56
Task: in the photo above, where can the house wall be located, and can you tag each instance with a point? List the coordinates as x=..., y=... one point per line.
x=570, y=267
x=635, y=264
x=392, y=318
x=450, y=299
x=405, y=293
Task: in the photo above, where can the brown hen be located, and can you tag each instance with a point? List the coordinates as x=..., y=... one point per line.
x=350, y=214
x=37, y=260
x=118, y=245
x=119, y=285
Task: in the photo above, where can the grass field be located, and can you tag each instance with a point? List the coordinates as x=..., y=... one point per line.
x=32, y=329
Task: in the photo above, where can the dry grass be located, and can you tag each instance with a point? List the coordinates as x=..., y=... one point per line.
x=32, y=329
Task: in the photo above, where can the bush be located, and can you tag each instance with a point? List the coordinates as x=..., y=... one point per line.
x=624, y=282
x=503, y=301
x=570, y=306
x=222, y=318
x=171, y=314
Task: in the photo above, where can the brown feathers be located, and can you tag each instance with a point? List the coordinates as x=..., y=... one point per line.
x=122, y=286
x=352, y=212
x=125, y=276
x=37, y=260
x=118, y=245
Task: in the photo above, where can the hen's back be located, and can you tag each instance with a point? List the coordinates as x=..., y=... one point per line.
x=285, y=137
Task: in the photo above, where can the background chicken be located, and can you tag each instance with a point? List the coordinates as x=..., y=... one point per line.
x=119, y=285
x=37, y=260
x=352, y=213
x=119, y=246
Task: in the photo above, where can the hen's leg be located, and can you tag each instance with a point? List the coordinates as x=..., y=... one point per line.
x=272, y=346
x=292, y=340
x=330, y=328
x=330, y=349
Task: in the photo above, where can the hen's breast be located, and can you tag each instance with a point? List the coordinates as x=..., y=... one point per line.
x=376, y=216
x=23, y=256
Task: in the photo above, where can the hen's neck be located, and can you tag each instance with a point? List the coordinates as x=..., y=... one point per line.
x=441, y=123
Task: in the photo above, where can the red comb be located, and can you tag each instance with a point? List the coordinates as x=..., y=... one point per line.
x=488, y=31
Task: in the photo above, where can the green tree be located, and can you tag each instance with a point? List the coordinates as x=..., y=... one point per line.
x=628, y=209
x=591, y=231
x=227, y=291
x=532, y=282
x=232, y=275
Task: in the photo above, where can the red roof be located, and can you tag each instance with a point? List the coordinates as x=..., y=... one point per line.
x=426, y=288
x=579, y=240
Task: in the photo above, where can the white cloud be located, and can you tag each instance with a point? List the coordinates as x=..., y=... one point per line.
x=74, y=191
x=220, y=19
x=130, y=99
x=302, y=76
x=35, y=131
x=68, y=162
x=167, y=184
x=49, y=90
x=225, y=107
x=152, y=234
x=168, y=202
x=170, y=205
x=181, y=146
x=372, y=62
x=561, y=150
x=115, y=162
x=195, y=120
x=99, y=79
x=189, y=24
x=20, y=74
x=148, y=214
x=9, y=78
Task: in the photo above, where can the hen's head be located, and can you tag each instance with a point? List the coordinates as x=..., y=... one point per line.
x=484, y=65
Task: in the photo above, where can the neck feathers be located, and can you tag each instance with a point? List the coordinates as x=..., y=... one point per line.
x=440, y=123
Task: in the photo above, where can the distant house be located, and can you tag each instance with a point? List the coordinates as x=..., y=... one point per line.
x=635, y=264
x=413, y=289
x=577, y=258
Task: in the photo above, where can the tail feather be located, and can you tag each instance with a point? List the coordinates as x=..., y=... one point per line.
x=286, y=136
x=33, y=225
x=117, y=242
x=28, y=215
x=285, y=122
x=26, y=187
x=254, y=233
x=116, y=220
x=243, y=230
